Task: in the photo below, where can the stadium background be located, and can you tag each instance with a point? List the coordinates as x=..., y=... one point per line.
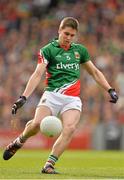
x=27, y=25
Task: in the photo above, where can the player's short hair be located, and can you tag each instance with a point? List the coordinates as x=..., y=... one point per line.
x=69, y=22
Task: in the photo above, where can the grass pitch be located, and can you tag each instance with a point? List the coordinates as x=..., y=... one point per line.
x=26, y=164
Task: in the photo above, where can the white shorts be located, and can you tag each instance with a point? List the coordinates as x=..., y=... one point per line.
x=59, y=103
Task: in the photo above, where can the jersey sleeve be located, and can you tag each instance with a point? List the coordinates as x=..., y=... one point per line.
x=43, y=56
x=85, y=56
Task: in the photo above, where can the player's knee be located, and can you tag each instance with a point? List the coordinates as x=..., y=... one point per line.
x=69, y=130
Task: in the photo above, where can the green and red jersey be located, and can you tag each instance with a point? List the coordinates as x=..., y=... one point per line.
x=63, y=67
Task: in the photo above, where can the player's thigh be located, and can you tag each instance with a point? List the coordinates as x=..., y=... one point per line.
x=41, y=112
x=51, y=100
x=70, y=118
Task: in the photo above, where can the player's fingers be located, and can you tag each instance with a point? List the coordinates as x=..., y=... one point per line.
x=14, y=109
x=112, y=101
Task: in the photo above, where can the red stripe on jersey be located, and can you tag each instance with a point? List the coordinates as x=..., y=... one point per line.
x=73, y=90
x=48, y=75
x=40, y=58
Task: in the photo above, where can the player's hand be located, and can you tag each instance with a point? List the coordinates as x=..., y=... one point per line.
x=18, y=104
x=114, y=96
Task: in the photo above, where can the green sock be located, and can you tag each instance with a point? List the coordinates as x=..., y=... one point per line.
x=52, y=159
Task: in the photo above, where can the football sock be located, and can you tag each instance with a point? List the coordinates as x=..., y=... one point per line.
x=20, y=140
x=51, y=160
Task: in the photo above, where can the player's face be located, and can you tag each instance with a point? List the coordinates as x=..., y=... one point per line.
x=66, y=36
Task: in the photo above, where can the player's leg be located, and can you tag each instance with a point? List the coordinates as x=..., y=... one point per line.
x=70, y=120
x=31, y=128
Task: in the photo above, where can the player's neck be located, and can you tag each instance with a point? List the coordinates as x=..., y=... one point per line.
x=64, y=46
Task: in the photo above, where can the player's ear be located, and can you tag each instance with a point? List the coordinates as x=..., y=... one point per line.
x=59, y=30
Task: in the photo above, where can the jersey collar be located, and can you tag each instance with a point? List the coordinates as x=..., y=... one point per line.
x=56, y=44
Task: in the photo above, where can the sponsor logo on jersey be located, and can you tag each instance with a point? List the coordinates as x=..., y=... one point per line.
x=77, y=55
x=74, y=66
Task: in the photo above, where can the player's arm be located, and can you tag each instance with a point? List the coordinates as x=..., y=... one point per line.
x=100, y=79
x=97, y=75
x=34, y=79
x=30, y=87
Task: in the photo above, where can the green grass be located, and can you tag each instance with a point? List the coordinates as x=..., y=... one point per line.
x=26, y=164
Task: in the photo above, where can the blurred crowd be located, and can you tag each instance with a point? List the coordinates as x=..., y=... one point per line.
x=27, y=25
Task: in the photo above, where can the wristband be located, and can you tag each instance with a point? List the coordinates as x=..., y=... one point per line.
x=111, y=89
x=23, y=97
